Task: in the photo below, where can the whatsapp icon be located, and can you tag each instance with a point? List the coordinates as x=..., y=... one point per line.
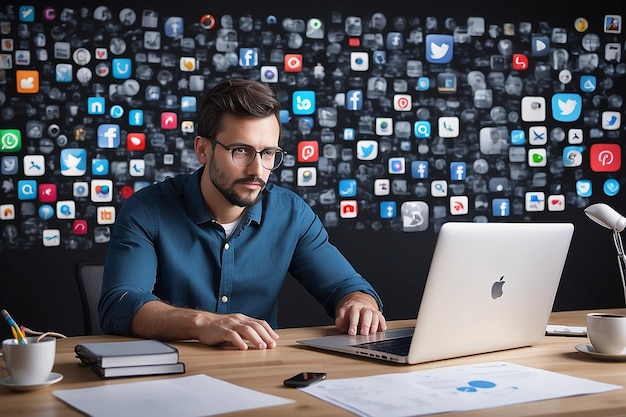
x=10, y=140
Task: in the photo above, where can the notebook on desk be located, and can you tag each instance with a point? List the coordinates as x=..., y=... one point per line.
x=490, y=287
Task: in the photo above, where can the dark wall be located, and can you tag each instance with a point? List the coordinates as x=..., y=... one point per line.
x=37, y=284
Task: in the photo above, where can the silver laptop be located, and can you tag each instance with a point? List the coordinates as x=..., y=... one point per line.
x=490, y=287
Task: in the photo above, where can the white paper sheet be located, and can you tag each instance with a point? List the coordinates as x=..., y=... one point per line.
x=190, y=396
x=457, y=388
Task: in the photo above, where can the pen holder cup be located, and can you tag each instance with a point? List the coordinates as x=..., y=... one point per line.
x=30, y=363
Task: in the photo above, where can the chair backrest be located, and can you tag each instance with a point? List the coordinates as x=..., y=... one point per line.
x=89, y=280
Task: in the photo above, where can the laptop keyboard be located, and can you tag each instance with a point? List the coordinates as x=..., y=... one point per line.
x=398, y=346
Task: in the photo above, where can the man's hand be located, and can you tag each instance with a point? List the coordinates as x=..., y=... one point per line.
x=158, y=320
x=357, y=313
x=239, y=330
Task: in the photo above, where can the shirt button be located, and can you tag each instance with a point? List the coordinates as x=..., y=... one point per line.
x=226, y=246
x=224, y=299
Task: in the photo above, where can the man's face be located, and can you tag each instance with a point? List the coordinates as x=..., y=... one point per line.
x=242, y=185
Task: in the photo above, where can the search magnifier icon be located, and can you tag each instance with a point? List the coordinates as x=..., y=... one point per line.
x=26, y=189
x=422, y=129
x=439, y=189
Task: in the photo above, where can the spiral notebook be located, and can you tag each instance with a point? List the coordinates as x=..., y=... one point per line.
x=490, y=287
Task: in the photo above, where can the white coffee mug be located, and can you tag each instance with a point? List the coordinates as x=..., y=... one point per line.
x=607, y=332
x=30, y=363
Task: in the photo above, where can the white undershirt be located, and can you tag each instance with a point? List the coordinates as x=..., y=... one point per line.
x=229, y=227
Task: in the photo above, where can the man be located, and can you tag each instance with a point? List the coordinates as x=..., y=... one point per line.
x=204, y=255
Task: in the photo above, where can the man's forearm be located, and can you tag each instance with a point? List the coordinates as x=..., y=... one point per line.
x=159, y=320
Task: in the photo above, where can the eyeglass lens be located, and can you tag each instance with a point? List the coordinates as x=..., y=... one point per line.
x=244, y=156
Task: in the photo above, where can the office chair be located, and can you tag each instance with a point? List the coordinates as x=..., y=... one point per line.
x=89, y=280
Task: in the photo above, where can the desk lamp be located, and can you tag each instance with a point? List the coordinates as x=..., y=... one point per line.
x=611, y=219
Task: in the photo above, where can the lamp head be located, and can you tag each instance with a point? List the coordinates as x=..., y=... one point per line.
x=604, y=215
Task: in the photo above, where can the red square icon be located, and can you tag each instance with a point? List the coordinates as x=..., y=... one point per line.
x=520, y=62
x=293, y=62
x=136, y=141
x=169, y=120
x=354, y=42
x=605, y=157
x=308, y=151
x=47, y=193
x=80, y=227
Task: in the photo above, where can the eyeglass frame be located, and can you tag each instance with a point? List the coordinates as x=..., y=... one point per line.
x=277, y=150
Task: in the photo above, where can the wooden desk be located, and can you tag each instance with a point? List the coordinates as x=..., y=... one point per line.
x=265, y=371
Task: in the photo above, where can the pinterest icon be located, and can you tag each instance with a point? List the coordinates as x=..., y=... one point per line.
x=605, y=157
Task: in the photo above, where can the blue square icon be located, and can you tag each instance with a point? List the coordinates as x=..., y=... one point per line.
x=566, y=107
x=303, y=102
x=121, y=68
x=439, y=48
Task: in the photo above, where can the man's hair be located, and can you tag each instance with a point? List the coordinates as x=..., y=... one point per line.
x=242, y=98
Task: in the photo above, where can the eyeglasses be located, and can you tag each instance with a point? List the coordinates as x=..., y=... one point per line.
x=244, y=155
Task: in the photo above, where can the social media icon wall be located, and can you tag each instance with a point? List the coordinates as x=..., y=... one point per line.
x=377, y=108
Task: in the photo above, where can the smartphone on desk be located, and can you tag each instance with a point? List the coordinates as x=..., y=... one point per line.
x=304, y=379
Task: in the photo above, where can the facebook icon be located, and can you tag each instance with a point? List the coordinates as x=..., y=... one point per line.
x=458, y=171
x=108, y=136
x=354, y=100
x=394, y=40
x=135, y=117
x=500, y=207
x=388, y=209
x=419, y=169
x=248, y=57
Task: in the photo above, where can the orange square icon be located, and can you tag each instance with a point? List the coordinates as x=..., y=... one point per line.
x=27, y=81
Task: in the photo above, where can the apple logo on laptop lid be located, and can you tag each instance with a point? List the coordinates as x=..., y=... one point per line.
x=496, y=288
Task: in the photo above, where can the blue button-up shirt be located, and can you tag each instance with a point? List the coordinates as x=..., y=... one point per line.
x=166, y=245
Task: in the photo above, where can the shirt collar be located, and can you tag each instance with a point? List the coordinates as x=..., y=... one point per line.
x=199, y=212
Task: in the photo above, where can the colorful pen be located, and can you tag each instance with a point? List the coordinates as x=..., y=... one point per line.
x=20, y=336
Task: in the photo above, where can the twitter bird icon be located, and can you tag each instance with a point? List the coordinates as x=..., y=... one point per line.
x=439, y=48
x=566, y=107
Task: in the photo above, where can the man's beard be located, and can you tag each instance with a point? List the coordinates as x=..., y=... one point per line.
x=230, y=194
